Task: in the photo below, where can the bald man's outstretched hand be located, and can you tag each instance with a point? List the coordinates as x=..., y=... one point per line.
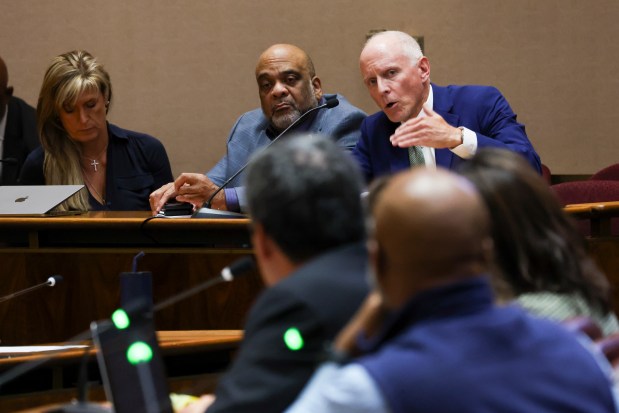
x=430, y=131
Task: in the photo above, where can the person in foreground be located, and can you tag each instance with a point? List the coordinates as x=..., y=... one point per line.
x=308, y=236
x=18, y=130
x=421, y=123
x=288, y=87
x=120, y=168
x=541, y=256
x=430, y=338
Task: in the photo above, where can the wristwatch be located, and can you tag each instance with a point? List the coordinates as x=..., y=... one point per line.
x=461, y=135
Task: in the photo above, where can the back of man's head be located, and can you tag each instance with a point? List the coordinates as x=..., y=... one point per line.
x=430, y=229
x=305, y=193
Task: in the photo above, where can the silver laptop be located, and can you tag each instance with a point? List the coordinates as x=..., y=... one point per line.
x=33, y=200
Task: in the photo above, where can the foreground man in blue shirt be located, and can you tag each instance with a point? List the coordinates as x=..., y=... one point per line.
x=431, y=340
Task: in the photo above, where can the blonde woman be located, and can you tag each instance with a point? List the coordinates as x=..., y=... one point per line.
x=120, y=168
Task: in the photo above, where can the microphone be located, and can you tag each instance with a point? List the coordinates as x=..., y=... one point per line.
x=9, y=161
x=237, y=269
x=207, y=212
x=144, y=305
x=51, y=281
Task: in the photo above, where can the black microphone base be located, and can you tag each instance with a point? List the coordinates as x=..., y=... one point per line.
x=81, y=407
x=215, y=213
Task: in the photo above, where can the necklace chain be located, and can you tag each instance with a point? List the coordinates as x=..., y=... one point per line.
x=101, y=197
x=94, y=162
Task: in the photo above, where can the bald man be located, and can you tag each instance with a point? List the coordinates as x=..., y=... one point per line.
x=442, y=345
x=288, y=87
x=421, y=123
x=18, y=130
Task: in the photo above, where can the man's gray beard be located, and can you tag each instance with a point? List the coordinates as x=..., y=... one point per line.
x=281, y=122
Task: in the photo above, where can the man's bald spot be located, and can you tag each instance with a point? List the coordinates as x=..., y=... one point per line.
x=380, y=40
x=394, y=41
x=433, y=221
x=288, y=52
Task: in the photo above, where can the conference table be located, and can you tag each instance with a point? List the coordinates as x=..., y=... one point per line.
x=599, y=214
x=193, y=361
x=91, y=250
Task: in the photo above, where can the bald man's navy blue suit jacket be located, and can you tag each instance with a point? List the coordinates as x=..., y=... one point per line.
x=482, y=109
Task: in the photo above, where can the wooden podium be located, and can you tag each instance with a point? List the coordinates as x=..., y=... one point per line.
x=91, y=250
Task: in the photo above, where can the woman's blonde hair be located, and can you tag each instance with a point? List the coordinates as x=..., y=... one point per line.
x=68, y=76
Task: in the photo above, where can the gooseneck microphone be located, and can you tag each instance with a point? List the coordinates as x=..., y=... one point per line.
x=238, y=268
x=9, y=161
x=51, y=281
x=330, y=103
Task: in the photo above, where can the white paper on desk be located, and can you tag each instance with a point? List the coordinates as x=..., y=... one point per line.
x=36, y=349
x=160, y=215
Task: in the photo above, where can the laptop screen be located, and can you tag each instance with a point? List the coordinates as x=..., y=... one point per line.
x=33, y=199
x=131, y=366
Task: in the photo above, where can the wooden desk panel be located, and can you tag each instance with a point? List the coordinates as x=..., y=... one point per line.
x=193, y=360
x=599, y=214
x=122, y=229
x=601, y=244
x=91, y=250
x=170, y=342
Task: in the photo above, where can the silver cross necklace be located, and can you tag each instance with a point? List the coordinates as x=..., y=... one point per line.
x=94, y=163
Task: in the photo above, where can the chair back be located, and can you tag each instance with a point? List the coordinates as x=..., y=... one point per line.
x=546, y=174
x=582, y=192
x=610, y=173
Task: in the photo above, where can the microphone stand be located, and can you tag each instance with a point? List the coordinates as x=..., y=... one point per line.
x=207, y=212
x=51, y=281
x=238, y=268
x=81, y=405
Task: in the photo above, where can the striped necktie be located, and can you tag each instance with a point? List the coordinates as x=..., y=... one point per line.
x=415, y=156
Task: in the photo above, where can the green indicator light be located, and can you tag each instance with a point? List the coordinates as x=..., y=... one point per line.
x=139, y=352
x=120, y=319
x=293, y=339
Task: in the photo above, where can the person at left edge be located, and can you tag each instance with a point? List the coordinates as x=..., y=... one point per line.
x=18, y=130
x=120, y=168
